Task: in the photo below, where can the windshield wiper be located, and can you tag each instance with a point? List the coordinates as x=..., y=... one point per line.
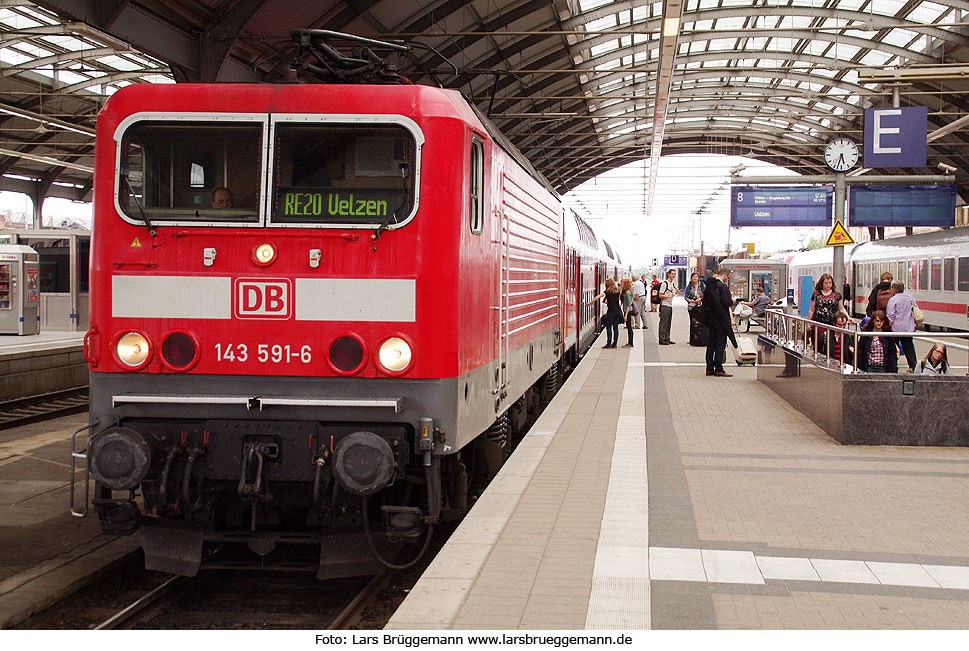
x=141, y=209
x=392, y=217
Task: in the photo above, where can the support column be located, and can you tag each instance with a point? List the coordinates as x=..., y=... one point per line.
x=838, y=267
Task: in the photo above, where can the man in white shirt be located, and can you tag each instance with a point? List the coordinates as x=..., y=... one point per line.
x=640, y=296
x=667, y=290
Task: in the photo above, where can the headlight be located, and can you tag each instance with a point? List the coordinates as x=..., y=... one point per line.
x=264, y=254
x=394, y=354
x=133, y=349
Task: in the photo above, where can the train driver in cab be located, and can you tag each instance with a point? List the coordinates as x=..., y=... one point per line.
x=222, y=197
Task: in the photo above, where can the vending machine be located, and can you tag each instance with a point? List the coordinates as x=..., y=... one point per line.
x=19, y=290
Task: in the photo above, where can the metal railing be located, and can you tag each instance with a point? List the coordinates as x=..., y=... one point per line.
x=820, y=343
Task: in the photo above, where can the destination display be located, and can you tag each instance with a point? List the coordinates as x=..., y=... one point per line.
x=337, y=205
x=902, y=205
x=781, y=205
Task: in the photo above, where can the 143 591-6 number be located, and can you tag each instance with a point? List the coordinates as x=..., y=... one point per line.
x=265, y=353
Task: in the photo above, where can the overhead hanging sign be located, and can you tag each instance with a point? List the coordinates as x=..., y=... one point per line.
x=839, y=236
x=895, y=137
x=781, y=205
x=902, y=205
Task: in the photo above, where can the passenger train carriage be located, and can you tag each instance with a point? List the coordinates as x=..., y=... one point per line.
x=325, y=360
x=933, y=266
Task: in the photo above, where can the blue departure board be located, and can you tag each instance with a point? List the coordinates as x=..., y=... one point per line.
x=781, y=206
x=902, y=205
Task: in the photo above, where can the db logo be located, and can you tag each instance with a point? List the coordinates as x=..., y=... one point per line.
x=254, y=298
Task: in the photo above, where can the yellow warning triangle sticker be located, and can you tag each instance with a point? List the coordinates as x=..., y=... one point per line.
x=839, y=235
x=136, y=242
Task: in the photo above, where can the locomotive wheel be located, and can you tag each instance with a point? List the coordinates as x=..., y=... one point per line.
x=491, y=449
x=498, y=432
x=550, y=385
x=517, y=419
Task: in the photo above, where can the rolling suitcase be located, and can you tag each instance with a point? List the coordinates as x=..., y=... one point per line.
x=698, y=333
x=744, y=353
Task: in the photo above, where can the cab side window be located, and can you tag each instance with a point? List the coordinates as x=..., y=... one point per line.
x=476, y=184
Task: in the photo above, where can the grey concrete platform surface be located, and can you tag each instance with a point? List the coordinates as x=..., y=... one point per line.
x=37, y=364
x=650, y=496
x=47, y=553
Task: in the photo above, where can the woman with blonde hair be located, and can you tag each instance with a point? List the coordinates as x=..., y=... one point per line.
x=613, y=312
x=935, y=362
x=626, y=292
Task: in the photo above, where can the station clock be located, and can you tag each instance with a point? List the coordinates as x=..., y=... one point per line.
x=841, y=154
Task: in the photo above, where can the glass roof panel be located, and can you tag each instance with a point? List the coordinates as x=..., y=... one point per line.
x=17, y=20
x=13, y=57
x=928, y=12
x=68, y=42
x=589, y=5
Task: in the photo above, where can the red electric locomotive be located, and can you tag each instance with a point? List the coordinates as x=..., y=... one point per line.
x=308, y=301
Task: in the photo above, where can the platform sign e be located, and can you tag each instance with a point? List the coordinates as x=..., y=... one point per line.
x=895, y=137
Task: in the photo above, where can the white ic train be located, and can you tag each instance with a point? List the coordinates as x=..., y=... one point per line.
x=934, y=267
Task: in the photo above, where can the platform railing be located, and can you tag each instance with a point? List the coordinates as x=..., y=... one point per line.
x=814, y=341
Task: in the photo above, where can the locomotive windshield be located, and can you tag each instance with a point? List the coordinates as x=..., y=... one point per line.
x=205, y=172
x=359, y=174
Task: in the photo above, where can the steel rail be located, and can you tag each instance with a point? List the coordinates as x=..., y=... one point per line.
x=128, y=613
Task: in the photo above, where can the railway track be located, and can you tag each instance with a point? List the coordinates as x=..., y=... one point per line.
x=23, y=411
x=249, y=600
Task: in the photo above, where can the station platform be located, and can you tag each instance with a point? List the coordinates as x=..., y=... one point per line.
x=54, y=339
x=47, y=553
x=33, y=365
x=650, y=496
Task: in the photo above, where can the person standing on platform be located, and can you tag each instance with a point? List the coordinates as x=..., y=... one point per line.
x=639, y=295
x=667, y=290
x=880, y=293
x=628, y=306
x=715, y=310
x=654, y=284
x=694, y=292
x=613, y=312
x=846, y=294
x=825, y=304
x=899, y=313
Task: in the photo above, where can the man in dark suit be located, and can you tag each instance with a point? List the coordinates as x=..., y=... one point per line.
x=716, y=311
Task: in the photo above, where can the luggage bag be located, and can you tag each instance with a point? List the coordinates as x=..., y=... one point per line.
x=698, y=333
x=744, y=353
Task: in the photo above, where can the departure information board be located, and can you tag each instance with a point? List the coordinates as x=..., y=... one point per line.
x=781, y=206
x=902, y=205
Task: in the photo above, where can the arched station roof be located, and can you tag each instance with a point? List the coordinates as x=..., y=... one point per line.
x=580, y=86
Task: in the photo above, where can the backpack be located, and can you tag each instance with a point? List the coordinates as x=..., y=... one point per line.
x=654, y=295
x=881, y=301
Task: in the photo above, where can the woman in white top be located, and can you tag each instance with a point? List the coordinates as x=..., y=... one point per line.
x=935, y=362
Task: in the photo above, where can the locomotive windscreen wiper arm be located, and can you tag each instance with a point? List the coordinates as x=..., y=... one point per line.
x=404, y=173
x=141, y=209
